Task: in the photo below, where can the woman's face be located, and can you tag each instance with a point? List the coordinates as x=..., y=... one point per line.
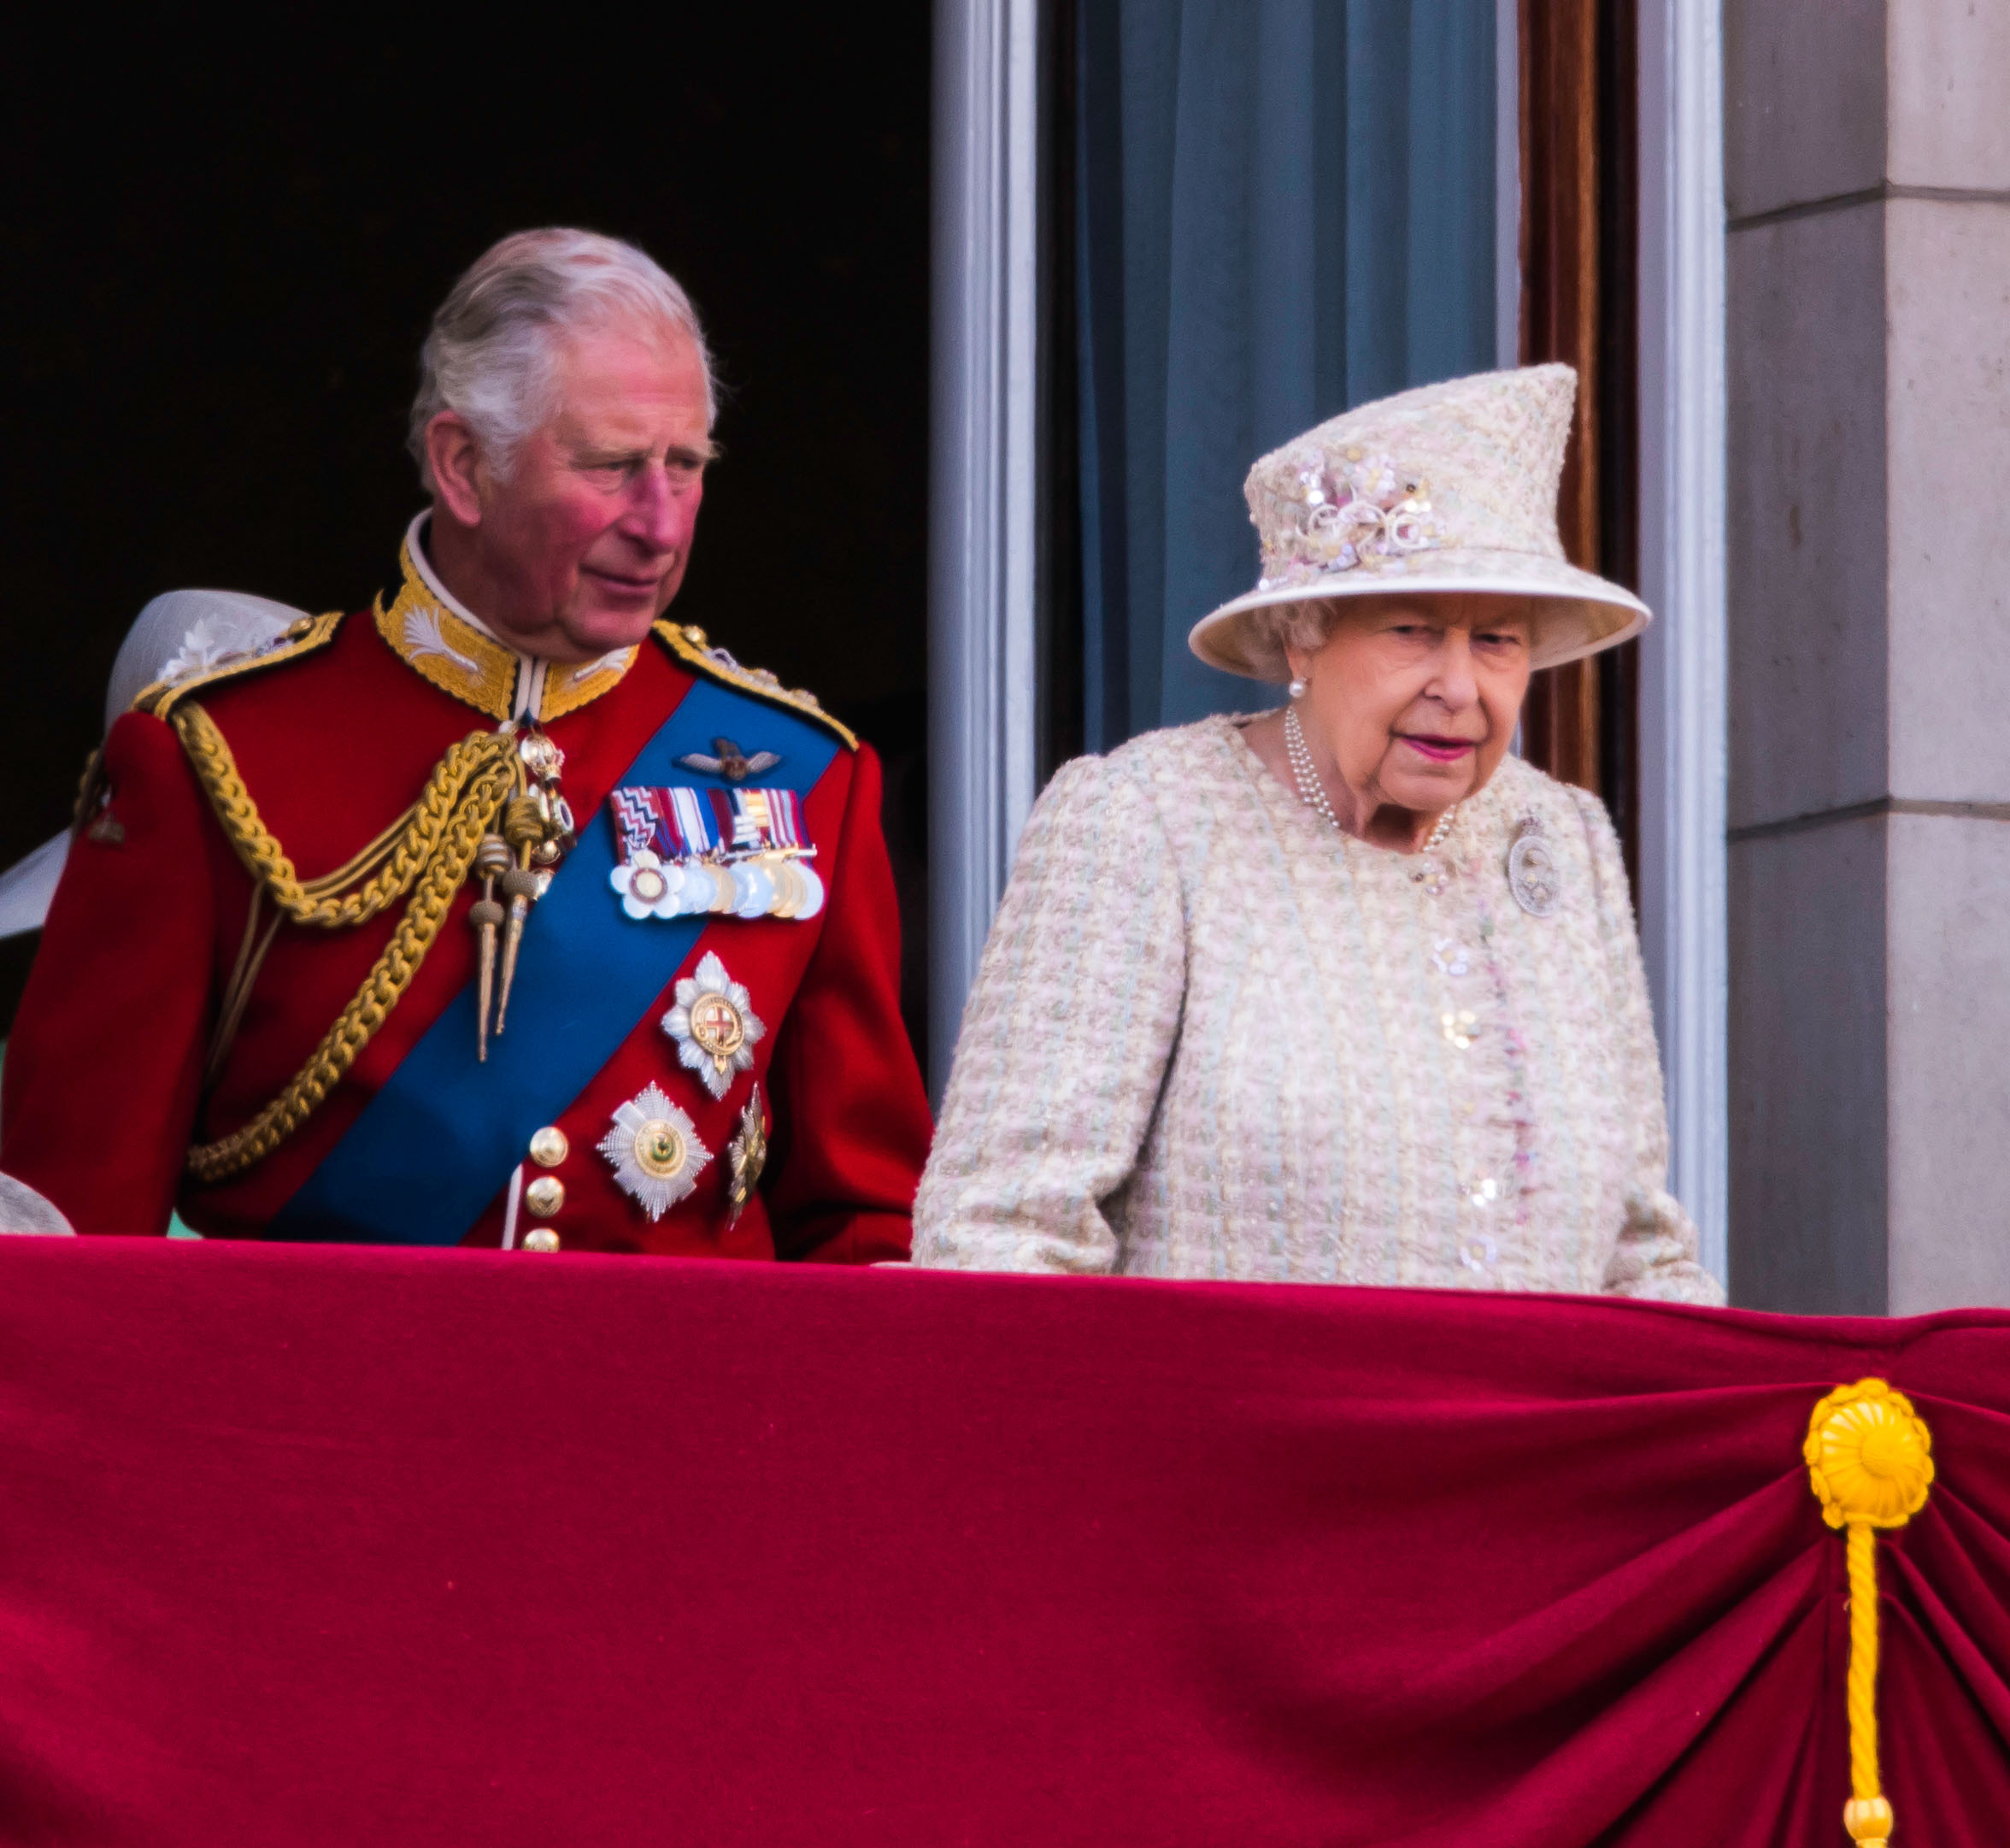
x=1416, y=702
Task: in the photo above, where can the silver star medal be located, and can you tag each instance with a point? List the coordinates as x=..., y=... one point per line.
x=654, y=1152
x=1533, y=873
x=715, y=1025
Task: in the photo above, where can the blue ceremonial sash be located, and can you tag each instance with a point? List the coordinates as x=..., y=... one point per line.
x=437, y=1144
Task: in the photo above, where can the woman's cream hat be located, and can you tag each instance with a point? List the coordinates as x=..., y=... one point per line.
x=1450, y=487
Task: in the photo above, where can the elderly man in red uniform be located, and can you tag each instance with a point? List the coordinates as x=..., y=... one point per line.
x=505, y=911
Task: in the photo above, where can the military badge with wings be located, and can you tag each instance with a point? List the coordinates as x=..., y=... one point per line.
x=735, y=765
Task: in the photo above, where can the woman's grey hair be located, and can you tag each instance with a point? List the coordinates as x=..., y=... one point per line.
x=1270, y=629
x=491, y=354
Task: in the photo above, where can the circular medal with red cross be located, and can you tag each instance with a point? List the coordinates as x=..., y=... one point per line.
x=714, y=1025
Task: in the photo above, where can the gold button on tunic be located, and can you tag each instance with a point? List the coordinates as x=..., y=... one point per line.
x=549, y=1148
x=544, y=1196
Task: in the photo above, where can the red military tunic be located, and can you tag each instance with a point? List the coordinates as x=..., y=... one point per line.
x=333, y=737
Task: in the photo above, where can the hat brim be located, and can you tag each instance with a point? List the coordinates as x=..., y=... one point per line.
x=1577, y=612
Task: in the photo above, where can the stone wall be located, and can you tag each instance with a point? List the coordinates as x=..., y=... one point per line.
x=1867, y=170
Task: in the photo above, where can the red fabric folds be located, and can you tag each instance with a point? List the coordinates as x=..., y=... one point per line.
x=328, y=1545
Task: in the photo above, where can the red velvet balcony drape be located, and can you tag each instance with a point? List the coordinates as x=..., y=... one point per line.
x=330, y=1546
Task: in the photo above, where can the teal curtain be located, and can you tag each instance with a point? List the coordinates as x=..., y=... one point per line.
x=1283, y=207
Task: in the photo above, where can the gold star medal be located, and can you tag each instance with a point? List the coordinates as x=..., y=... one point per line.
x=654, y=1152
x=715, y=1025
x=747, y=1153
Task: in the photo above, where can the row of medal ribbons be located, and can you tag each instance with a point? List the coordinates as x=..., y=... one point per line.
x=739, y=852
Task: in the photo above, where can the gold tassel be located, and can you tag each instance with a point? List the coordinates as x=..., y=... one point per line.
x=523, y=829
x=1870, y=1460
x=491, y=859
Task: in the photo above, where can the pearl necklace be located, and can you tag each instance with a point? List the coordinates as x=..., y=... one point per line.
x=1313, y=793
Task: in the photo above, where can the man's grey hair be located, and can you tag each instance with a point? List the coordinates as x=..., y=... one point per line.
x=491, y=352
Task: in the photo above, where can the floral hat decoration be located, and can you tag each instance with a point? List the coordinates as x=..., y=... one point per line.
x=1450, y=487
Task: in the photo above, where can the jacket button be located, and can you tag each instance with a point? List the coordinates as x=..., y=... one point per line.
x=540, y=1238
x=544, y=1195
x=549, y=1147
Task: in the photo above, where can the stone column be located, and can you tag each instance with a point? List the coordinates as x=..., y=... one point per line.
x=1867, y=171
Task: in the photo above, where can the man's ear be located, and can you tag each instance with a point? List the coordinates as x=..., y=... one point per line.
x=454, y=459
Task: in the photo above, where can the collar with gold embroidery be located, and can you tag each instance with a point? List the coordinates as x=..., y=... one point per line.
x=447, y=645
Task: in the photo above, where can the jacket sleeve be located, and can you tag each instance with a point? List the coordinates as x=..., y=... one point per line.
x=1065, y=1040
x=1656, y=1255
x=105, y=1060
x=850, y=1115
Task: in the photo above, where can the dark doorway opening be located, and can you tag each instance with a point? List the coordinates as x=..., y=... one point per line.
x=223, y=253
x=1579, y=303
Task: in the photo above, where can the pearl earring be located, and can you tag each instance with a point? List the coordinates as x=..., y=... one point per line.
x=1296, y=689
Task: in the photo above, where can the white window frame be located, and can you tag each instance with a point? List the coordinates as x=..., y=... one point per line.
x=1684, y=856
x=983, y=485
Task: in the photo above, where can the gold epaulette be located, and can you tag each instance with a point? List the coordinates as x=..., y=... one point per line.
x=688, y=644
x=301, y=637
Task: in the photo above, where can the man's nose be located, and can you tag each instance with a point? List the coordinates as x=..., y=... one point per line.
x=652, y=517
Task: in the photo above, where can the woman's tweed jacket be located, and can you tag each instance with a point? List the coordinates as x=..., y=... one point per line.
x=1212, y=1038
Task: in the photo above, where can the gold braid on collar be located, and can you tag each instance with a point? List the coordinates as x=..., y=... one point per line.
x=473, y=666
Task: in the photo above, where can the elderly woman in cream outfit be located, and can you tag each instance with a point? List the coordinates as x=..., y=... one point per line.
x=1346, y=992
